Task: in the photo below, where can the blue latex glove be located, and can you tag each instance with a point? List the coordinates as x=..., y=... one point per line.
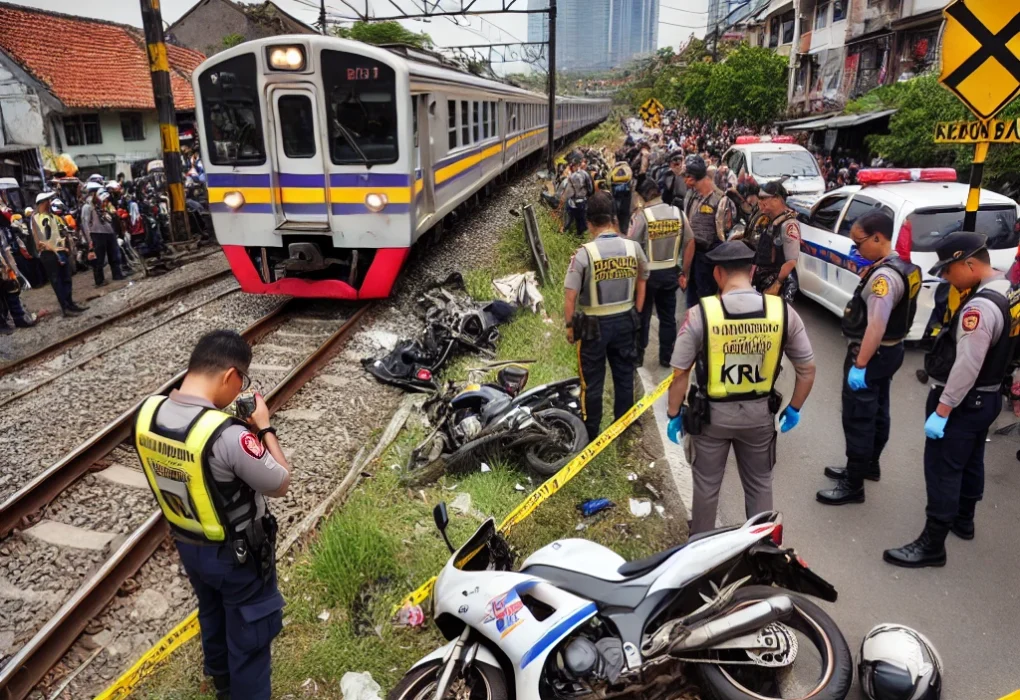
x=935, y=427
x=675, y=427
x=855, y=379
x=789, y=419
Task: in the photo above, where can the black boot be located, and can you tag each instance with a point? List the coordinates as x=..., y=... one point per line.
x=872, y=472
x=963, y=524
x=927, y=550
x=222, y=685
x=847, y=490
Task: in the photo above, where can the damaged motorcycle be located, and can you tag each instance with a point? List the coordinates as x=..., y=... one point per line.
x=541, y=426
x=578, y=621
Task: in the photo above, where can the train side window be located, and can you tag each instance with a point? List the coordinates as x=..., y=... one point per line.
x=451, y=122
x=485, y=120
x=465, y=124
x=493, y=122
x=475, y=125
x=414, y=118
x=233, y=115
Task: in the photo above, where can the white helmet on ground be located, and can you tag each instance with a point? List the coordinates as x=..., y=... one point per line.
x=898, y=663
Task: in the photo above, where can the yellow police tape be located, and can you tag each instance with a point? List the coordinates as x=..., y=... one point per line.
x=131, y=678
x=560, y=478
x=1015, y=695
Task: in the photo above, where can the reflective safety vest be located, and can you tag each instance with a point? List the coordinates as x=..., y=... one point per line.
x=742, y=351
x=601, y=270
x=665, y=232
x=176, y=464
x=621, y=174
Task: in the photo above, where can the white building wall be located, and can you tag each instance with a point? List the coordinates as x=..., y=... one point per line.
x=114, y=149
x=20, y=112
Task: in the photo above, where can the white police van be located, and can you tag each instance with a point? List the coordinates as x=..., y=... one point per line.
x=770, y=158
x=925, y=204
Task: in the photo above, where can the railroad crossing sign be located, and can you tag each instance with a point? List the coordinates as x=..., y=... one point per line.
x=981, y=54
x=651, y=112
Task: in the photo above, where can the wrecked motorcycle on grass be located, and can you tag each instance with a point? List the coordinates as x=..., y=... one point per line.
x=579, y=622
x=540, y=426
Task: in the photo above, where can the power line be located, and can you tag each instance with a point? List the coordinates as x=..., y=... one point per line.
x=685, y=26
x=680, y=9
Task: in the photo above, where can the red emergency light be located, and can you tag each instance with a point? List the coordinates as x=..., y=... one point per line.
x=881, y=176
x=741, y=140
x=783, y=139
x=749, y=138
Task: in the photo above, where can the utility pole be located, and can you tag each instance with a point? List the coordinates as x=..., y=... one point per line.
x=159, y=68
x=551, y=155
x=322, y=16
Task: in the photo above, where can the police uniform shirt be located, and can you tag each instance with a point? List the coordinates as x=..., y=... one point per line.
x=708, y=215
x=980, y=327
x=237, y=453
x=638, y=231
x=690, y=343
x=791, y=240
x=613, y=291
x=576, y=189
x=881, y=295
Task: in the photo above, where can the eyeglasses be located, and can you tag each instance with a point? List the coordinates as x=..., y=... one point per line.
x=245, y=380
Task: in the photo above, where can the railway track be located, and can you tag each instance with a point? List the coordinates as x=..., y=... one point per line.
x=131, y=541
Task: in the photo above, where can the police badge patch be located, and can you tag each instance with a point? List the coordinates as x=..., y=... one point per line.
x=971, y=320
x=880, y=287
x=251, y=445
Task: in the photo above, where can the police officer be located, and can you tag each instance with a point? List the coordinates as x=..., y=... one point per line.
x=605, y=283
x=875, y=322
x=778, y=247
x=659, y=229
x=575, y=195
x=50, y=238
x=211, y=474
x=673, y=188
x=710, y=216
x=737, y=366
x=968, y=362
x=621, y=179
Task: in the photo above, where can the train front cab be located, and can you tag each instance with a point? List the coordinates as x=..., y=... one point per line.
x=309, y=175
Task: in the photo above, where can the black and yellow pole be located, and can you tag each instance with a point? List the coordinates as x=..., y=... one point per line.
x=159, y=67
x=977, y=170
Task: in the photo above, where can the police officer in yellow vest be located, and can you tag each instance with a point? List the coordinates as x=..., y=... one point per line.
x=659, y=229
x=50, y=235
x=605, y=290
x=211, y=474
x=736, y=340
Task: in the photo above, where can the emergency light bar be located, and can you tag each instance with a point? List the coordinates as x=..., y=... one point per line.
x=881, y=176
x=741, y=140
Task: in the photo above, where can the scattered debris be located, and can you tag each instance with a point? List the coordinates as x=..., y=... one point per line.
x=654, y=491
x=661, y=510
x=324, y=616
x=359, y=686
x=486, y=468
x=632, y=477
x=594, y=505
x=580, y=526
x=518, y=487
x=520, y=290
x=410, y=616
x=640, y=508
x=461, y=504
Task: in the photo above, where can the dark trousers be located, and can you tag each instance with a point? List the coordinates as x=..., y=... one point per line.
x=622, y=198
x=10, y=305
x=617, y=345
x=954, y=466
x=660, y=293
x=701, y=283
x=105, y=246
x=578, y=215
x=58, y=271
x=866, y=418
x=239, y=613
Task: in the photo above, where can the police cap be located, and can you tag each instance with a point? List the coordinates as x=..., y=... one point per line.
x=730, y=252
x=695, y=167
x=773, y=189
x=956, y=247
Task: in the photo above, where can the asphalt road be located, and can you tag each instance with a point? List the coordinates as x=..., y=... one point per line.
x=969, y=609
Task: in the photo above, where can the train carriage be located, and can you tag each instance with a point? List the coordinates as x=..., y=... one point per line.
x=327, y=159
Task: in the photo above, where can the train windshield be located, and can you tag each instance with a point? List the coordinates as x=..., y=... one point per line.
x=233, y=117
x=362, y=108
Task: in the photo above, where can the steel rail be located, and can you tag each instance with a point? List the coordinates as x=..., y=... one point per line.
x=30, y=665
x=9, y=367
x=50, y=483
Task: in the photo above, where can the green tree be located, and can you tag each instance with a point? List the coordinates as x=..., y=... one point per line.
x=667, y=86
x=750, y=85
x=384, y=33
x=232, y=40
x=693, y=88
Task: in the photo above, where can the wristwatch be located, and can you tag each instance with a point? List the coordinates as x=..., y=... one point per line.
x=262, y=433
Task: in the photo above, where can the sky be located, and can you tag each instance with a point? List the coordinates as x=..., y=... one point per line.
x=502, y=28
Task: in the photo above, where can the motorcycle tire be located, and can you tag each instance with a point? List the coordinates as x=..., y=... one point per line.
x=567, y=423
x=812, y=624
x=485, y=683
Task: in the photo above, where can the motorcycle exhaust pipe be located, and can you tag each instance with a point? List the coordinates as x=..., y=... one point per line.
x=743, y=621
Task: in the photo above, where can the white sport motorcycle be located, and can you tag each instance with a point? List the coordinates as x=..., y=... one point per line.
x=578, y=621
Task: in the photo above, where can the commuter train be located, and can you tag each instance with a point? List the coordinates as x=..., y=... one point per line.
x=327, y=159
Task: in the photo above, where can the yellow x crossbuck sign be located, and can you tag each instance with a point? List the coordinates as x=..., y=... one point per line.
x=981, y=54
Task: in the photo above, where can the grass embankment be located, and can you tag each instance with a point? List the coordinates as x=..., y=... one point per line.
x=382, y=544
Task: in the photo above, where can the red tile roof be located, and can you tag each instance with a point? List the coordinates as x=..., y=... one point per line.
x=88, y=63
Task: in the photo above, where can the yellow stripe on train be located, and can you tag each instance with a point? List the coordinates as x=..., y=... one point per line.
x=252, y=195
x=356, y=195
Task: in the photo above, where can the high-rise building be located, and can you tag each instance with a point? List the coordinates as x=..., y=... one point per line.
x=594, y=35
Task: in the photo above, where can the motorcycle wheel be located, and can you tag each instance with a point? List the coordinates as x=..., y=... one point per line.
x=825, y=670
x=548, y=458
x=483, y=683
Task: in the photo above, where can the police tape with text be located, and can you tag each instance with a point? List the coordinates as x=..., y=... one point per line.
x=559, y=479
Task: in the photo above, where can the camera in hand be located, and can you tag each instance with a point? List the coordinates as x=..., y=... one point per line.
x=245, y=406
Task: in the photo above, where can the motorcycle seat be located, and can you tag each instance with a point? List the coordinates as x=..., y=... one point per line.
x=605, y=594
x=640, y=567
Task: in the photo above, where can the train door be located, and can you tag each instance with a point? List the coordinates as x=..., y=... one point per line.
x=425, y=184
x=300, y=181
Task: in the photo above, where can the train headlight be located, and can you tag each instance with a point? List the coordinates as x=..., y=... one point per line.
x=376, y=202
x=286, y=58
x=234, y=200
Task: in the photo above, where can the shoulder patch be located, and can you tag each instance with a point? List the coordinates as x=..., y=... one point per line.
x=971, y=320
x=251, y=445
x=880, y=286
x=792, y=230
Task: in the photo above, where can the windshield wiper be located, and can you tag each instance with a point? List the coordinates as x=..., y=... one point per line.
x=350, y=140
